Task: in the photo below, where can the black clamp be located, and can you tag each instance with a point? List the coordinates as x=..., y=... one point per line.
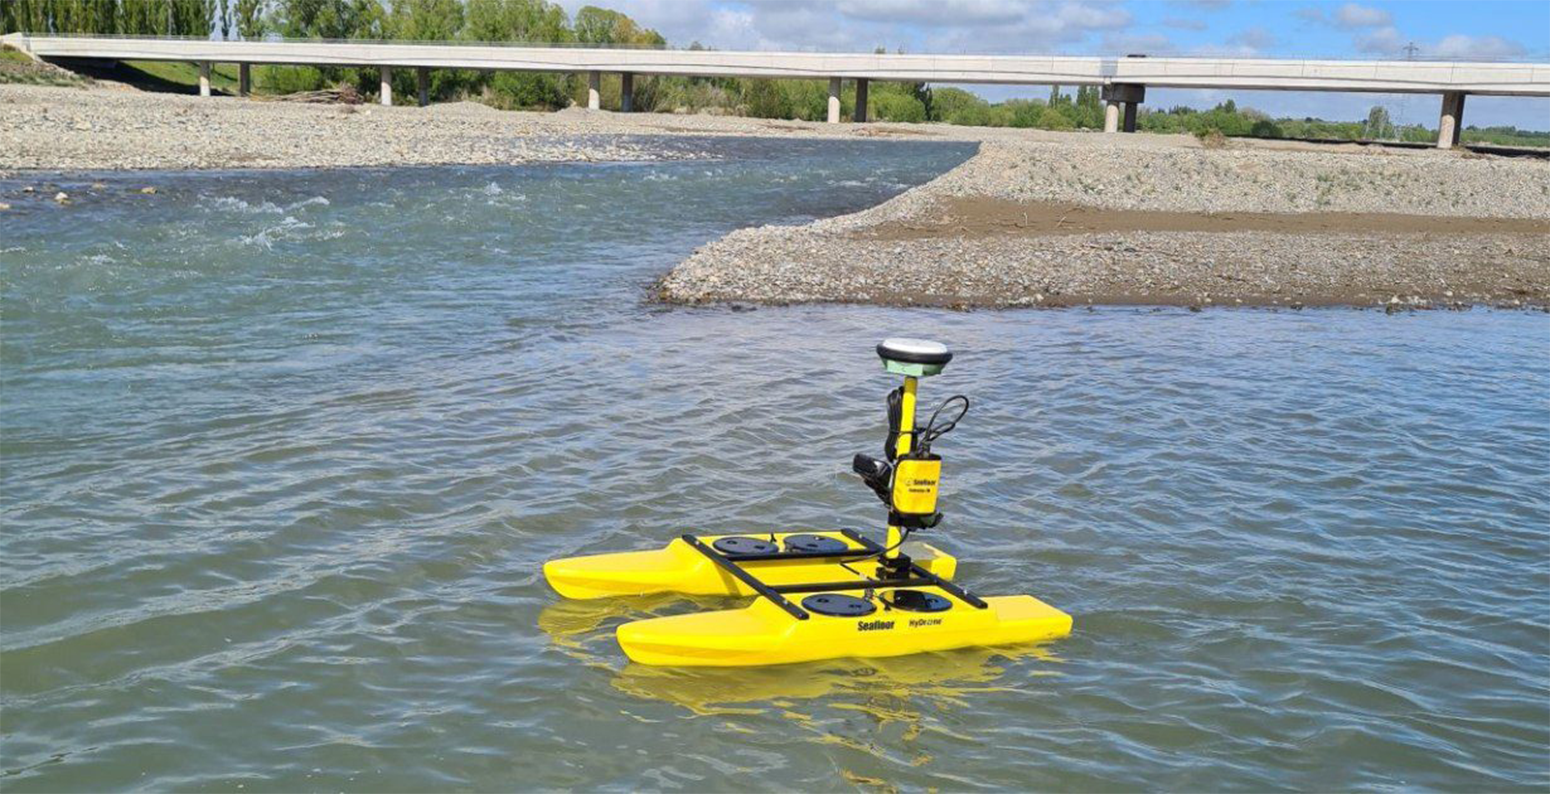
x=927, y=521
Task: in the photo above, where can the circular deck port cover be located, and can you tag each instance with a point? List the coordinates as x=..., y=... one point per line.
x=817, y=543
x=740, y=544
x=919, y=601
x=838, y=605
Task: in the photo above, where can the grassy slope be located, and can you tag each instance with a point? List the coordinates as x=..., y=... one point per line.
x=17, y=67
x=223, y=76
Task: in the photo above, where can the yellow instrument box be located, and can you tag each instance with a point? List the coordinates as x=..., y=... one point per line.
x=915, y=484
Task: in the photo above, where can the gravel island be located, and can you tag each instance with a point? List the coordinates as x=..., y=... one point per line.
x=1091, y=220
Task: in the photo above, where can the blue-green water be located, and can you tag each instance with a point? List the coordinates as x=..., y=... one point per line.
x=283, y=453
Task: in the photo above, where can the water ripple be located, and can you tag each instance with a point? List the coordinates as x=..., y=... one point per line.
x=274, y=512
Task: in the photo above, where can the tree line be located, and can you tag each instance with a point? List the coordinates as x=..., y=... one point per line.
x=541, y=21
x=105, y=17
x=449, y=20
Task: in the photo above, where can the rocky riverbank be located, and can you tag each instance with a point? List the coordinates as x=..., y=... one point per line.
x=61, y=129
x=1102, y=221
x=113, y=127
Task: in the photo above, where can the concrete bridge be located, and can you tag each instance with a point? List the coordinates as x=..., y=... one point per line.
x=1122, y=81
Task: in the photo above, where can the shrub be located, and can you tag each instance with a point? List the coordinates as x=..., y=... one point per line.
x=763, y=99
x=1025, y=114
x=527, y=90
x=287, y=79
x=948, y=103
x=970, y=115
x=1052, y=119
x=805, y=99
x=898, y=107
x=1265, y=128
x=1211, y=138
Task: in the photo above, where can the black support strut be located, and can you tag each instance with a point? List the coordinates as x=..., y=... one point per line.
x=913, y=574
x=746, y=578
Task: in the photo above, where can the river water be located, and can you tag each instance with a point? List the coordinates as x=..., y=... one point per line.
x=284, y=452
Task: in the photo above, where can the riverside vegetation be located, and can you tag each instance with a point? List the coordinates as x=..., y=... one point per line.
x=539, y=21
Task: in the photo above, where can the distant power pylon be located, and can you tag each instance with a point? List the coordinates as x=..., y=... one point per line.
x=1410, y=51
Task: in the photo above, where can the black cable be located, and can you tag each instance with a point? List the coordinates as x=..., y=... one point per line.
x=895, y=418
x=931, y=432
x=904, y=534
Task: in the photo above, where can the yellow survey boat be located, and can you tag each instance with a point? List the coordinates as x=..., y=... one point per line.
x=825, y=594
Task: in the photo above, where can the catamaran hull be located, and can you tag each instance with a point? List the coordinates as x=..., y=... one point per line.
x=764, y=634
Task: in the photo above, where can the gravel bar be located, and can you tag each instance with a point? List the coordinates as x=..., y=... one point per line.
x=1098, y=221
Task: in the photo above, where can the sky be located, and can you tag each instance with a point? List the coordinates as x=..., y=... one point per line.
x=1517, y=30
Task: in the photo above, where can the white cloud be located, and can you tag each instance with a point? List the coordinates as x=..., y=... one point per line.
x=1256, y=38
x=1484, y=48
x=991, y=26
x=1010, y=26
x=1383, y=41
x=1137, y=43
x=1389, y=42
x=1352, y=15
x=956, y=13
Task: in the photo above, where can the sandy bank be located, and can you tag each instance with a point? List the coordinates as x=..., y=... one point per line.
x=1101, y=222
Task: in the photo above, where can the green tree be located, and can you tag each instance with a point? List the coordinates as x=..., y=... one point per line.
x=603, y=26
x=250, y=18
x=424, y=20
x=520, y=21
x=328, y=19
x=516, y=20
x=1087, y=111
x=948, y=104
x=1378, y=126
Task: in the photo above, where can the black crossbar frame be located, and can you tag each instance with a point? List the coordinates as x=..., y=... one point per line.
x=919, y=577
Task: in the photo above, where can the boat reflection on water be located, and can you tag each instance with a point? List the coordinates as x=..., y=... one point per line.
x=891, y=689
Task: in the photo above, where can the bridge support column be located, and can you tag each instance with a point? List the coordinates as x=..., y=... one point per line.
x=422, y=79
x=204, y=78
x=1122, y=98
x=385, y=85
x=834, y=100
x=860, y=115
x=1452, y=121
x=594, y=91
x=244, y=79
x=627, y=92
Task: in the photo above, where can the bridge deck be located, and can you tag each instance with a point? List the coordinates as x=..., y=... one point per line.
x=1428, y=77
